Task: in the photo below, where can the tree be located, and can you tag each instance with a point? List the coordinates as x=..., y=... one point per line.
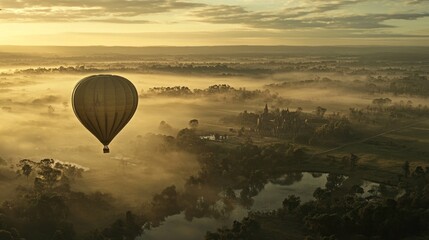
x=356, y=189
x=163, y=205
x=165, y=127
x=241, y=132
x=25, y=167
x=381, y=102
x=320, y=194
x=320, y=111
x=334, y=181
x=291, y=203
x=188, y=140
x=248, y=228
x=193, y=123
x=48, y=176
x=406, y=169
x=353, y=161
x=133, y=228
x=418, y=172
x=5, y=235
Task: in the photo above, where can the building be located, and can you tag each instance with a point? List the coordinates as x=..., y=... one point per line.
x=279, y=123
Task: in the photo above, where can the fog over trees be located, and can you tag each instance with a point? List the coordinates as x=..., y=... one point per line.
x=273, y=143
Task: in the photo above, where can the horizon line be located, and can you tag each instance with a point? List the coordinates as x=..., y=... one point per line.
x=197, y=46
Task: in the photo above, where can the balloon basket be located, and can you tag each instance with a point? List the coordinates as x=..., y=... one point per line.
x=106, y=149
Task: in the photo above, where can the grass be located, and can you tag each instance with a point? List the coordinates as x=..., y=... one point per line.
x=381, y=157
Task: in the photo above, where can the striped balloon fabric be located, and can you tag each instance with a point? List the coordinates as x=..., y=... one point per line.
x=104, y=104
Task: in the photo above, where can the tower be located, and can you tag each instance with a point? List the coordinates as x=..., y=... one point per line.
x=266, y=109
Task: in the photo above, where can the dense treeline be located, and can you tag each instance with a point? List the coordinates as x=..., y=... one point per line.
x=343, y=212
x=251, y=65
x=218, y=92
x=384, y=110
x=47, y=207
x=408, y=84
x=219, y=69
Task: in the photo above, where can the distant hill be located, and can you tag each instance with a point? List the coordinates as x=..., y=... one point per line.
x=380, y=51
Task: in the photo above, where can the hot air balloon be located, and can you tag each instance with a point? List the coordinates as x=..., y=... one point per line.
x=104, y=104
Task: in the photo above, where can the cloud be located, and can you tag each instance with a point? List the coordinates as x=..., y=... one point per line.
x=298, y=18
x=293, y=18
x=113, y=11
x=318, y=7
x=368, y=21
x=416, y=1
x=121, y=20
x=48, y=14
x=296, y=14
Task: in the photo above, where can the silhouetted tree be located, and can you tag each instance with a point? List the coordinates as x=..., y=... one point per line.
x=193, y=123
x=5, y=235
x=291, y=202
x=165, y=127
x=188, y=140
x=320, y=111
x=406, y=169
x=353, y=161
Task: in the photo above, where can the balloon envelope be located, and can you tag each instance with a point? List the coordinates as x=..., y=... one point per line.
x=104, y=104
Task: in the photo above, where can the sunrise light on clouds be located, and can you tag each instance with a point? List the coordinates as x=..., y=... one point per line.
x=205, y=22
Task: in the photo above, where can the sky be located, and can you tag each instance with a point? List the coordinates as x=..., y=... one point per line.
x=210, y=22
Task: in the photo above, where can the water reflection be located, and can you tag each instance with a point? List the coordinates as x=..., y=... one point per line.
x=270, y=197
